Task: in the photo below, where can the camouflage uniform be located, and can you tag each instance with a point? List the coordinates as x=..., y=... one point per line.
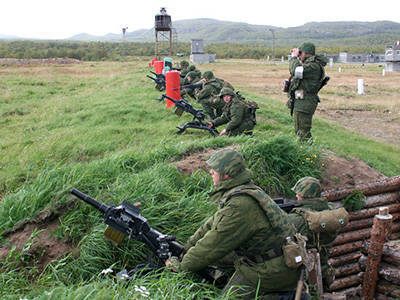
x=248, y=227
x=309, y=189
x=211, y=88
x=184, y=68
x=191, y=78
x=235, y=114
x=312, y=75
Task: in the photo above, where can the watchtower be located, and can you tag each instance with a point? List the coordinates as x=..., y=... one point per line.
x=166, y=37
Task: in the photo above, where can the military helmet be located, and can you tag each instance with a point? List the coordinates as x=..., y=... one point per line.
x=308, y=48
x=192, y=75
x=192, y=68
x=208, y=75
x=184, y=63
x=307, y=187
x=226, y=91
x=227, y=162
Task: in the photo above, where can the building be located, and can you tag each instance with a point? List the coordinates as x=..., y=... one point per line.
x=366, y=57
x=197, y=53
x=392, y=57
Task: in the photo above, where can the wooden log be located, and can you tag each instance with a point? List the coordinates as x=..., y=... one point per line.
x=382, y=200
x=350, y=292
x=383, y=186
x=387, y=288
x=345, y=248
x=365, y=223
x=346, y=282
x=345, y=270
x=361, y=234
x=379, y=234
x=345, y=259
x=379, y=296
x=394, y=236
x=370, y=212
x=391, y=252
x=390, y=273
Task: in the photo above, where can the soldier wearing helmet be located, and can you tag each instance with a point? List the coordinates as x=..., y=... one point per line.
x=248, y=229
x=306, y=73
x=211, y=88
x=308, y=194
x=236, y=114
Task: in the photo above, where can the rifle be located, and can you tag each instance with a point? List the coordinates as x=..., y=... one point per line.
x=125, y=220
x=159, y=80
x=190, y=86
x=287, y=207
x=198, y=116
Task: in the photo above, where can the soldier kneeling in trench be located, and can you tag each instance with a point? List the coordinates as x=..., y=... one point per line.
x=248, y=231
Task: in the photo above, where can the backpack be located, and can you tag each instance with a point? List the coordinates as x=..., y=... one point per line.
x=251, y=105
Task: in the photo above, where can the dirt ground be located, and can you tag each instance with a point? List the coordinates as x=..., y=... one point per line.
x=45, y=246
x=376, y=114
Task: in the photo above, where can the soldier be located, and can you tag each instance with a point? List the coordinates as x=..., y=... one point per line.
x=184, y=68
x=308, y=195
x=236, y=114
x=192, y=77
x=307, y=73
x=248, y=226
x=211, y=88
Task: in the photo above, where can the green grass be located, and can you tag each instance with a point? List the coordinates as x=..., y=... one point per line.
x=97, y=128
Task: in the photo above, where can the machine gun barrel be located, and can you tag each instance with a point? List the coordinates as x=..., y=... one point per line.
x=98, y=205
x=287, y=207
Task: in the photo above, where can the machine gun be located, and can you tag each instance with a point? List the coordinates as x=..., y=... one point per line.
x=159, y=80
x=287, y=207
x=198, y=116
x=125, y=221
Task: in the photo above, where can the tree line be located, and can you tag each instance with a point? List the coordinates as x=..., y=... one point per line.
x=96, y=51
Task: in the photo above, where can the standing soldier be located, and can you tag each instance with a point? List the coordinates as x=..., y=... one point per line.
x=248, y=226
x=236, y=114
x=211, y=88
x=307, y=74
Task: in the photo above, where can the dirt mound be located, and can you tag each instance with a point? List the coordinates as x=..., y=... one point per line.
x=196, y=160
x=337, y=172
x=45, y=246
x=35, y=61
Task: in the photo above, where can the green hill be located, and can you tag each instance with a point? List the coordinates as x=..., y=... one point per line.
x=323, y=33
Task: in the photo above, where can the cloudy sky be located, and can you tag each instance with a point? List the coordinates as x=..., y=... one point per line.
x=58, y=19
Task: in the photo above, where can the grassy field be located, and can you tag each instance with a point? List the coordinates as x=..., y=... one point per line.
x=97, y=127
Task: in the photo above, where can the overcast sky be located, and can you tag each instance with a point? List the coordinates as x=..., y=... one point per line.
x=59, y=19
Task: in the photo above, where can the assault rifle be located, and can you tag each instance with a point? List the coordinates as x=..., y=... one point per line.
x=198, y=116
x=125, y=221
x=159, y=80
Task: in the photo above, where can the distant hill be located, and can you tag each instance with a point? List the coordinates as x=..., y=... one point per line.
x=9, y=37
x=215, y=31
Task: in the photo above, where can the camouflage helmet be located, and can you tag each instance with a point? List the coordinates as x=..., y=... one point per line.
x=192, y=74
x=226, y=91
x=307, y=187
x=192, y=68
x=227, y=162
x=308, y=48
x=184, y=64
x=208, y=75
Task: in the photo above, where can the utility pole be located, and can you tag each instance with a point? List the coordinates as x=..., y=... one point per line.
x=273, y=42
